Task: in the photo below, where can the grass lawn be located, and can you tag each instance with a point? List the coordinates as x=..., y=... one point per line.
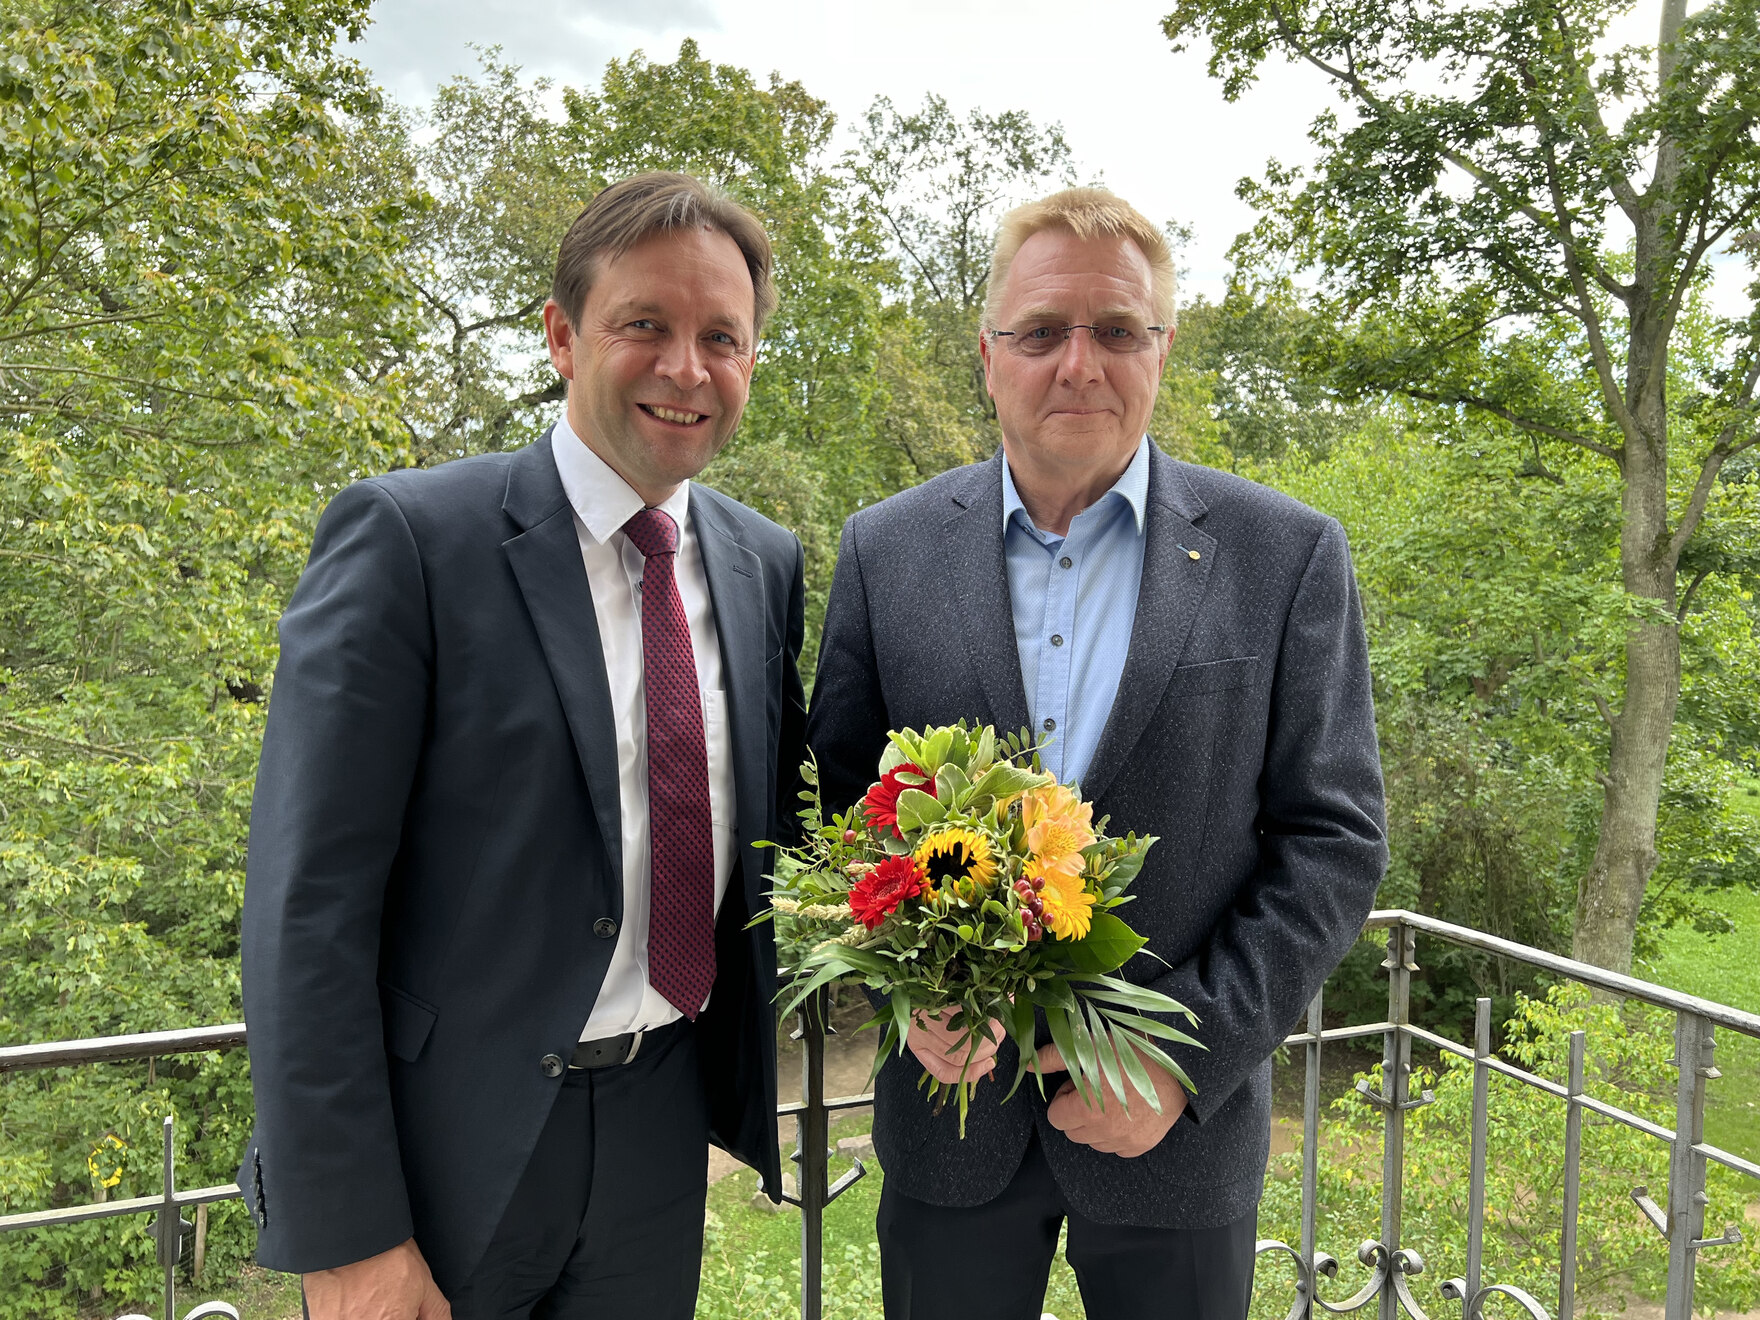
x=1725, y=968
x=751, y=1258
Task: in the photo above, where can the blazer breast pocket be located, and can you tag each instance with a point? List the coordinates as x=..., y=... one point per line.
x=1214, y=676
x=407, y=1022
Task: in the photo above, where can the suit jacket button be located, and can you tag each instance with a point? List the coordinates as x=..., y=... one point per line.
x=604, y=928
x=551, y=1065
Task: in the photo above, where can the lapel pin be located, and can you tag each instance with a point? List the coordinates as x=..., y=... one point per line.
x=1190, y=554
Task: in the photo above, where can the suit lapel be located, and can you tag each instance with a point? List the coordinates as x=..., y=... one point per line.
x=736, y=589
x=546, y=561
x=982, y=613
x=1167, y=605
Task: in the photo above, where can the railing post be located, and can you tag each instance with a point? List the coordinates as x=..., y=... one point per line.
x=1396, y=1056
x=812, y=1153
x=1693, y=1047
x=1573, y=1160
x=1481, y=1137
x=1311, y=1156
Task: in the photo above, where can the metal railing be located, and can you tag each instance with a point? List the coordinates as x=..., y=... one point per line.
x=1391, y=1263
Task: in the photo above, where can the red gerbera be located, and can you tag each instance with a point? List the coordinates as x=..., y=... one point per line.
x=881, y=805
x=876, y=895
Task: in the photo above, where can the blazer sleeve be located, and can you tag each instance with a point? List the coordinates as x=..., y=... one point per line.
x=846, y=727
x=792, y=735
x=1322, y=841
x=344, y=734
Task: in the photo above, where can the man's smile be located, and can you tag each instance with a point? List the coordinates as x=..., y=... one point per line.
x=673, y=416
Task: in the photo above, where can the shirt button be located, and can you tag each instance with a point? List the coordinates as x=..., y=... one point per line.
x=550, y=1065
x=1050, y=725
x=604, y=928
x=1057, y=639
x=1066, y=562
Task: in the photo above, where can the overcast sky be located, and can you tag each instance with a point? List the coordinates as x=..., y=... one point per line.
x=1151, y=124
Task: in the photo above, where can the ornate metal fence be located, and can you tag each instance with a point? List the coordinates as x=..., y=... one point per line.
x=1391, y=1263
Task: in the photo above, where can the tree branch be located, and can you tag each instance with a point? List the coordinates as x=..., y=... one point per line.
x=1725, y=447
x=1692, y=587
x=1617, y=457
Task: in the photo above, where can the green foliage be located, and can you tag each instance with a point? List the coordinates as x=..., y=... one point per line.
x=1513, y=224
x=1618, y=1251
x=194, y=299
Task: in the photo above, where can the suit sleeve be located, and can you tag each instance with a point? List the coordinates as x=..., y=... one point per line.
x=846, y=727
x=792, y=736
x=344, y=734
x=1322, y=841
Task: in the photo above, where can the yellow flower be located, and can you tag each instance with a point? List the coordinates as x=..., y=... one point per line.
x=1059, y=825
x=958, y=857
x=1069, y=906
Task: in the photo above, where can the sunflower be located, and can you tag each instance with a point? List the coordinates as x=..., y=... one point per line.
x=1069, y=906
x=961, y=858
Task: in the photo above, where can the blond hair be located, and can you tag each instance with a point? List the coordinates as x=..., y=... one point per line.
x=1086, y=213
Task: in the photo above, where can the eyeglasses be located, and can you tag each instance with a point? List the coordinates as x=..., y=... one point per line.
x=1044, y=340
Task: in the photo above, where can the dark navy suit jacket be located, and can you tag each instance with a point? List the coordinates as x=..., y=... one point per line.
x=435, y=855
x=1242, y=736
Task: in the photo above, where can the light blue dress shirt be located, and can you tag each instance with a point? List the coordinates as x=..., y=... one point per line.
x=1074, y=600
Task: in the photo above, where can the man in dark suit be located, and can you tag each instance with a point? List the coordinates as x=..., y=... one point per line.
x=532, y=711
x=1191, y=647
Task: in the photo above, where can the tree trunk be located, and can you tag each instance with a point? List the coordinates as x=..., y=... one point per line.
x=1612, y=891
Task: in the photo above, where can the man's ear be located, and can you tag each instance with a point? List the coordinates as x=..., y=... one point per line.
x=559, y=338
x=984, y=349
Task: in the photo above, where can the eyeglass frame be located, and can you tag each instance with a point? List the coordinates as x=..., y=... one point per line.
x=1067, y=332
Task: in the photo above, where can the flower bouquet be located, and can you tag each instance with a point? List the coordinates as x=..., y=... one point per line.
x=968, y=876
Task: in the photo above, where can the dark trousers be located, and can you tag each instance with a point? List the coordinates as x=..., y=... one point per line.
x=607, y=1220
x=991, y=1262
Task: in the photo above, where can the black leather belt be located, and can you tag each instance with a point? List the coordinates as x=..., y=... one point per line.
x=611, y=1051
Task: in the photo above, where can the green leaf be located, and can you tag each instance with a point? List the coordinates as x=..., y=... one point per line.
x=1133, y=1069
x=917, y=810
x=1104, y=1052
x=1108, y=945
x=1004, y=780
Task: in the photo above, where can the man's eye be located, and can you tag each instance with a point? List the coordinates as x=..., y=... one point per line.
x=1040, y=332
x=644, y=323
x=724, y=339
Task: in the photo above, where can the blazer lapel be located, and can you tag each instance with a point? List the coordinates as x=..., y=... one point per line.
x=546, y=561
x=736, y=589
x=1167, y=605
x=982, y=612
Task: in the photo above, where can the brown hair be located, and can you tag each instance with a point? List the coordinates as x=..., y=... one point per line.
x=641, y=206
x=1086, y=213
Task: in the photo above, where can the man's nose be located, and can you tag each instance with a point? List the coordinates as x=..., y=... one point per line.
x=1080, y=361
x=682, y=362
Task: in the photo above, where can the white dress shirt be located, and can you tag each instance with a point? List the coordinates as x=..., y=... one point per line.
x=603, y=502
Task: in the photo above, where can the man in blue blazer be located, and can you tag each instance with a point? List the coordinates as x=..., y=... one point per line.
x=1190, y=647
x=532, y=711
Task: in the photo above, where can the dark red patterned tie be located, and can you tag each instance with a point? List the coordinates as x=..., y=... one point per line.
x=681, y=901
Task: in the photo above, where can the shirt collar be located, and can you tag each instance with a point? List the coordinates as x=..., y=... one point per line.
x=1132, y=486
x=601, y=499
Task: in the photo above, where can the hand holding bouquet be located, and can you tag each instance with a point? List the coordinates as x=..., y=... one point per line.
x=968, y=877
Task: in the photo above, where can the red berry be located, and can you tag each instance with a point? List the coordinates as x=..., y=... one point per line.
x=849, y=836
x=1038, y=883
x=1038, y=907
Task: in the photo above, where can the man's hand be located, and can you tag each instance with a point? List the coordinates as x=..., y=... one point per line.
x=1111, y=1129
x=394, y=1285
x=943, y=1049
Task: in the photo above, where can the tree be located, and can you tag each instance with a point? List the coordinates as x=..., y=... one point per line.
x=936, y=187
x=1468, y=232
x=201, y=313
